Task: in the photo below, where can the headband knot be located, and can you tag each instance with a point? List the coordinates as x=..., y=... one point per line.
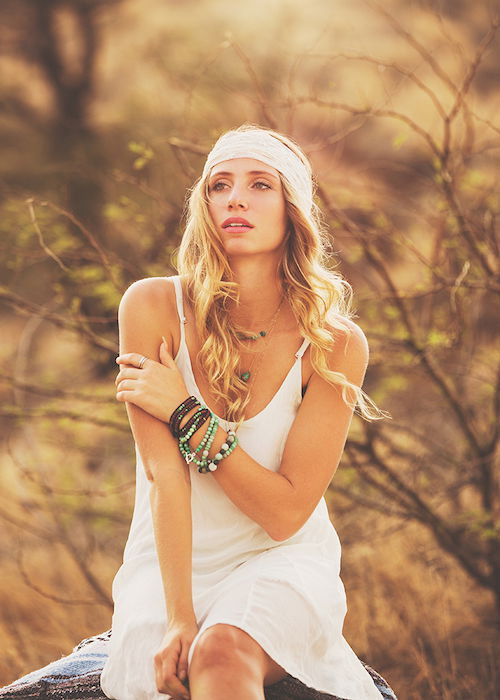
x=263, y=146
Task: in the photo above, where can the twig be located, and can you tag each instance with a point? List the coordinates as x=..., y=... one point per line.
x=38, y=231
x=14, y=412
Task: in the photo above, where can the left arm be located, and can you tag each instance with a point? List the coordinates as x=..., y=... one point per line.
x=282, y=501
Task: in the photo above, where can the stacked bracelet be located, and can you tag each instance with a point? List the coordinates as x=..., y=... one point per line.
x=225, y=450
x=205, y=444
x=182, y=410
x=194, y=423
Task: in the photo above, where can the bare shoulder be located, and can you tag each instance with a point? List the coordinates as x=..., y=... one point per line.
x=349, y=342
x=152, y=296
x=148, y=306
x=349, y=351
x=156, y=290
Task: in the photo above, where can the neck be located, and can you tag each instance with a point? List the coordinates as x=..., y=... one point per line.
x=260, y=293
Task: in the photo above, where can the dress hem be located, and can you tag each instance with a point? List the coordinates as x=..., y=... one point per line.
x=299, y=675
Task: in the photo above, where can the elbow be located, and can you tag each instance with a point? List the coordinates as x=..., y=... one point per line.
x=284, y=529
x=278, y=536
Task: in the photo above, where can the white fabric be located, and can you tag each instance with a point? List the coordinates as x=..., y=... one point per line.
x=287, y=595
x=261, y=145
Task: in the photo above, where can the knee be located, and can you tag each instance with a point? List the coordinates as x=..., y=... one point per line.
x=224, y=645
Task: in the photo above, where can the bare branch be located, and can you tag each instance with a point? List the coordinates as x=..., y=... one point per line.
x=28, y=308
x=103, y=256
x=264, y=106
x=419, y=48
x=14, y=412
x=38, y=231
x=54, y=392
x=374, y=112
x=410, y=74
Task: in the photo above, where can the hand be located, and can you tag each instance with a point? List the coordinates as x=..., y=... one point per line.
x=171, y=661
x=157, y=388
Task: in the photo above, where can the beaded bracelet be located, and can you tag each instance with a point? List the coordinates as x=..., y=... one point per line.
x=205, y=465
x=225, y=450
x=207, y=441
x=195, y=422
x=209, y=436
x=182, y=410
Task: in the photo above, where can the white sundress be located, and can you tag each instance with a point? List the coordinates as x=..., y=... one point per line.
x=287, y=595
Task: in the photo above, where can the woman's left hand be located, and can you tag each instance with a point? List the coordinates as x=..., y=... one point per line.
x=157, y=388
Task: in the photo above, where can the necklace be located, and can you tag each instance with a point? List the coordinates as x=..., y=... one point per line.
x=245, y=376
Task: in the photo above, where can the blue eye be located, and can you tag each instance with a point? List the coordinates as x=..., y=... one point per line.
x=217, y=186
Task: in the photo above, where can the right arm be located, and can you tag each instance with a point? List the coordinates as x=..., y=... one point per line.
x=143, y=316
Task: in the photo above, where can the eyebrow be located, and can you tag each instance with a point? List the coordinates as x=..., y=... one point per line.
x=250, y=172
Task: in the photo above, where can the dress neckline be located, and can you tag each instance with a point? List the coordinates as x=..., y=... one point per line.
x=297, y=361
x=183, y=347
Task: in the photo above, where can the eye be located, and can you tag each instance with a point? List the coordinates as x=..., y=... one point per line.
x=262, y=185
x=217, y=186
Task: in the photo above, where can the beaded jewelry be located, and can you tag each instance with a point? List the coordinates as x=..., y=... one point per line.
x=182, y=410
x=195, y=422
x=190, y=456
x=225, y=450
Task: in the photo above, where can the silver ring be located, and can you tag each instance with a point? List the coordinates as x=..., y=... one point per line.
x=142, y=361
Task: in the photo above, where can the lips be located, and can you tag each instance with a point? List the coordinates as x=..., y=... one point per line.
x=236, y=223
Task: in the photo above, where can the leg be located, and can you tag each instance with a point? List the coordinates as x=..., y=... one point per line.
x=228, y=663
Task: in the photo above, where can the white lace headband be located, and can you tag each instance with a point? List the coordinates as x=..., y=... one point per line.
x=261, y=145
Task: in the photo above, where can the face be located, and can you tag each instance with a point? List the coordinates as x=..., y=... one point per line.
x=247, y=206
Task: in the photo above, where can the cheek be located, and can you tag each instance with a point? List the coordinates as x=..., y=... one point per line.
x=212, y=208
x=281, y=215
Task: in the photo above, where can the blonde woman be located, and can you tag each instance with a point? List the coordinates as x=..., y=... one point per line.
x=240, y=377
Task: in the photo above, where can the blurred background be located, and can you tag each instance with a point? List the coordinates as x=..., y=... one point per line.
x=107, y=110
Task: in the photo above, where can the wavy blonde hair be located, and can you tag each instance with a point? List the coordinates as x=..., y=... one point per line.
x=318, y=296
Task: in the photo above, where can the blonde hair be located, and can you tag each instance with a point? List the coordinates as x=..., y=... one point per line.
x=316, y=294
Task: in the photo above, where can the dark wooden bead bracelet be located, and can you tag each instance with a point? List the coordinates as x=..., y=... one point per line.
x=195, y=422
x=182, y=410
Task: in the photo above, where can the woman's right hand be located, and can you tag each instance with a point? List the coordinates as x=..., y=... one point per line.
x=171, y=660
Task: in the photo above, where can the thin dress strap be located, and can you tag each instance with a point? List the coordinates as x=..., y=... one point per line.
x=180, y=305
x=302, y=348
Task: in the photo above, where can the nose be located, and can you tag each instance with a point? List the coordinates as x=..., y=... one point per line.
x=236, y=200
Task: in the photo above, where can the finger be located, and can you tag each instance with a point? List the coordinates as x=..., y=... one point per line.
x=182, y=664
x=170, y=679
x=164, y=354
x=127, y=373
x=125, y=396
x=165, y=357
x=126, y=385
x=129, y=358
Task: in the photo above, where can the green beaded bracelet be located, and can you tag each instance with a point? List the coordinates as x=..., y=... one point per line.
x=207, y=440
x=204, y=464
x=225, y=450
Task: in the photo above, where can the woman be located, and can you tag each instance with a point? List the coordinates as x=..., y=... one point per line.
x=230, y=578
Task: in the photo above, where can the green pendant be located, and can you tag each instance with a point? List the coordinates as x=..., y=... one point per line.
x=261, y=334
x=245, y=376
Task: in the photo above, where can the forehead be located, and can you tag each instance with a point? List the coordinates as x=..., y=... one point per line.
x=243, y=166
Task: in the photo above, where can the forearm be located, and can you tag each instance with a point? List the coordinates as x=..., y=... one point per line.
x=170, y=499
x=265, y=496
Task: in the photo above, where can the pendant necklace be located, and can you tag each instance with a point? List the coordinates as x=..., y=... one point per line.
x=245, y=376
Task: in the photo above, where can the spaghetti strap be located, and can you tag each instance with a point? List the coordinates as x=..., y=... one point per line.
x=180, y=305
x=302, y=348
